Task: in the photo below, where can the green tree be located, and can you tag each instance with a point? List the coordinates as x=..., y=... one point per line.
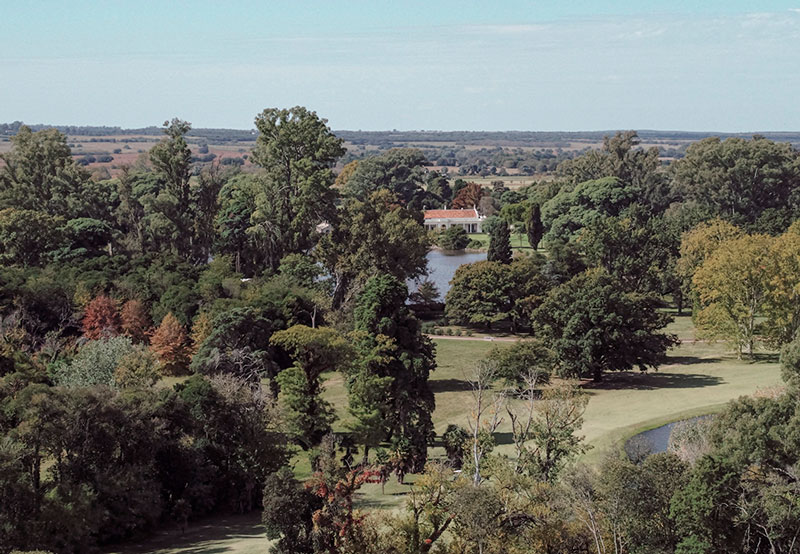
x=534, y=225
x=239, y=344
x=515, y=363
x=744, y=181
x=454, y=238
x=375, y=236
x=400, y=171
x=297, y=151
x=27, y=236
x=234, y=236
x=380, y=312
x=500, y=244
x=593, y=326
x=313, y=351
x=171, y=159
x=40, y=174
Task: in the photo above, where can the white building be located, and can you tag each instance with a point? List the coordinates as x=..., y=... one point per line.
x=444, y=219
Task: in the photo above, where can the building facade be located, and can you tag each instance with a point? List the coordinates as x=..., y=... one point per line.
x=469, y=220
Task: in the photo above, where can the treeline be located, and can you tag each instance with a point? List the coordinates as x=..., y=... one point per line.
x=245, y=289
x=698, y=233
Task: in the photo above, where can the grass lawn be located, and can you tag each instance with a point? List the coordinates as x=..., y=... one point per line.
x=518, y=240
x=699, y=378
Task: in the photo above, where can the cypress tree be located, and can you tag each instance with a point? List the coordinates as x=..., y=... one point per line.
x=500, y=244
x=535, y=227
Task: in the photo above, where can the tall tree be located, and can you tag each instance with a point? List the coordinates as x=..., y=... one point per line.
x=39, y=173
x=171, y=159
x=101, y=318
x=500, y=244
x=298, y=150
x=534, y=225
x=400, y=171
x=374, y=236
x=751, y=182
x=381, y=310
x=468, y=197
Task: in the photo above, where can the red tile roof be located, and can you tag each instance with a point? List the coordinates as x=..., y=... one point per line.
x=450, y=214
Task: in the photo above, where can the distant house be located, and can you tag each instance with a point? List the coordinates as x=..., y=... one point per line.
x=444, y=219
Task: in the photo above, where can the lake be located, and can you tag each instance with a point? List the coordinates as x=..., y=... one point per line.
x=442, y=265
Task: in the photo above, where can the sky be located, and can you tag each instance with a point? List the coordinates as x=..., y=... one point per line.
x=711, y=65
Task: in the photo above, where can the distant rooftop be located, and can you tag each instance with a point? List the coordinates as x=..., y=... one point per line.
x=451, y=214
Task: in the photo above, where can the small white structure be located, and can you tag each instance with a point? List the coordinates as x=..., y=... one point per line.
x=444, y=219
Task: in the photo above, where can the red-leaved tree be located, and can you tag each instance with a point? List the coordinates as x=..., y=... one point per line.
x=135, y=321
x=468, y=197
x=101, y=318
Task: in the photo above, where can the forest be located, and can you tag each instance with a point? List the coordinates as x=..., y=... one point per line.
x=166, y=336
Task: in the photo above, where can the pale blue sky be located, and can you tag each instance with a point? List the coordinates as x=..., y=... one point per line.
x=529, y=65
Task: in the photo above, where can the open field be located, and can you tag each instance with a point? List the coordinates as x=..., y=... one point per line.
x=699, y=378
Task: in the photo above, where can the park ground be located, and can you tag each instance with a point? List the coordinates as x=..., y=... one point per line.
x=698, y=378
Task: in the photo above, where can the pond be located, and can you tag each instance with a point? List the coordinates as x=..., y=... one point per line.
x=658, y=439
x=442, y=265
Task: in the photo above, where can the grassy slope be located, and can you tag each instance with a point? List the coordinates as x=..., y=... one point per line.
x=698, y=378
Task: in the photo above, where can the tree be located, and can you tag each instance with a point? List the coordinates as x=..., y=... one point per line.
x=381, y=312
x=639, y=250
x=782, y=293
x=313, y=351
x=40, y=174
x=135, y=321
x=454, y=238
x=368, y=389
x=743, y=181
x=731, y=286
x=400, y=171
x=101, y=318
x=234, y=236
x=468, y=197
x=534, y=225
x=238, y=343
x=297, y=150
x=593, y=327
x=699, y=243
x=515, y=363
x=372, y=237
x=28, y=236
x=171, y=159
x=171, y=345
x=484, y=293
x=287, y=513
x=96, y=363
x=500, y=244
x=576, y=207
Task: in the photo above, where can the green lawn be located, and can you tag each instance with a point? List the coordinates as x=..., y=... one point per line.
x=699, y=378
x=518, y=240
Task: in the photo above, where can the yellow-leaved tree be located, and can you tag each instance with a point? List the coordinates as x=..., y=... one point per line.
x=731, y=288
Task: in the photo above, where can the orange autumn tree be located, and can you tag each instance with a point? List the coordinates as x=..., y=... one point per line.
x=171, y=345
x=135, y=321
x=101, y=318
